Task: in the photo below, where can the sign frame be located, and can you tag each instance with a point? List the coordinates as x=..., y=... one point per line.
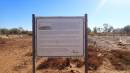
x=85, y=42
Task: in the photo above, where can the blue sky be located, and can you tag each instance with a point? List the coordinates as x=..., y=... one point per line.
x=18, y=13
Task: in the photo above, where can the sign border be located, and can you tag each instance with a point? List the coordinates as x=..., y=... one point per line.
x=74, y=17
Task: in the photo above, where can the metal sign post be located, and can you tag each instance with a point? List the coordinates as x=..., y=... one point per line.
x=33, y=43
x=60, y=37
x=86, y=44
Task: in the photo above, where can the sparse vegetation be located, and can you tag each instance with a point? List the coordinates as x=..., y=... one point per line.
x=110, y=30
x=18, y=31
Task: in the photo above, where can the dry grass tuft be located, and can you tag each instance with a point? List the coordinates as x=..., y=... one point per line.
x=120, y=59
x=29, y=53
x=94, y=61
x=77, y=61
x=54, y=63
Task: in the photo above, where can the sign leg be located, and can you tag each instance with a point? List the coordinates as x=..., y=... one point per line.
x=86, y=45
x=33, y=43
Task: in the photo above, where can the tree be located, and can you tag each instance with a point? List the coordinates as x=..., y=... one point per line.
x=95, y=29
x=110, y=29
x=4, y=31
x=21, y=29
x=105, y=27
x=127, y=29
x=14, y=31
x=99, y=29
x=89, y=30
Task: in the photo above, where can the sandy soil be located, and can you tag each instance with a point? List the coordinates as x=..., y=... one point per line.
x=16, y=56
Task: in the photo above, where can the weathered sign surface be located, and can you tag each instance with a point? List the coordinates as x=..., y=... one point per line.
x=60, y=36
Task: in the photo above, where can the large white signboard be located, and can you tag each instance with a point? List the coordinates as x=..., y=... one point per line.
x=60, y=36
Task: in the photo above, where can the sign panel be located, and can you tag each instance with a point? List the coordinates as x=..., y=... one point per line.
x=60, y=36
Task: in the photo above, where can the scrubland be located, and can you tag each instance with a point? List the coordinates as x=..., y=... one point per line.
x=106, y=54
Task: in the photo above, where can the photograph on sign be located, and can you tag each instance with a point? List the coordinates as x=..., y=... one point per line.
x=60, y=36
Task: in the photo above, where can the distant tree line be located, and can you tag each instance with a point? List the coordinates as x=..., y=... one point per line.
x=19, y=31
x=110, y=29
